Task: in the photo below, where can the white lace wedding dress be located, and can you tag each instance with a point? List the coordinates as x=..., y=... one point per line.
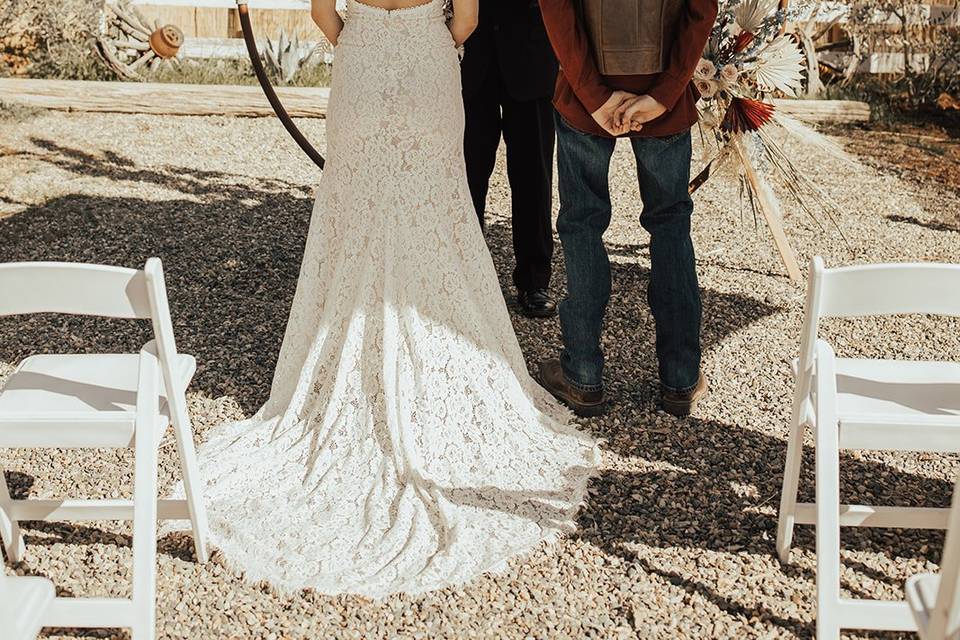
x=404, y=446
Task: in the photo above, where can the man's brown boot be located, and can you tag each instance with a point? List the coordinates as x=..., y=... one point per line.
x=585, y=404
x=683, y=404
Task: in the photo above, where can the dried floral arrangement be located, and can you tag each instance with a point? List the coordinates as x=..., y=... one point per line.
x=748, y=61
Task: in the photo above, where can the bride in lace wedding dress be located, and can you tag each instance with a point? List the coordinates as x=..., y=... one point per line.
x=404, y=446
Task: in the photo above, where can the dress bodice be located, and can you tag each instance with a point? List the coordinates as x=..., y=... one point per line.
x=425, y=11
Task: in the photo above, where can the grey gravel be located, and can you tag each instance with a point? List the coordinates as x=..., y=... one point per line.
x=677, y=538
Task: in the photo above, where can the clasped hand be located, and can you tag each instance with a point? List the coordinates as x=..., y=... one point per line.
x=625, y=111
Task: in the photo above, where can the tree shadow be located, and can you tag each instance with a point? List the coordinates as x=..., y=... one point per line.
x=192, y=181
x=699, y=504
x=926, y=224
x=231, y=249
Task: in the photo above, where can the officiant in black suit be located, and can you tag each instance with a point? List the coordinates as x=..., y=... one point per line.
x=509, y=72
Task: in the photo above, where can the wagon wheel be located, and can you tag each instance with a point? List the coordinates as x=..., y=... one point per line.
x=127, y=43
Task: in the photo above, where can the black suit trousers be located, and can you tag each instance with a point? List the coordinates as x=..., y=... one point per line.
x=527, y=128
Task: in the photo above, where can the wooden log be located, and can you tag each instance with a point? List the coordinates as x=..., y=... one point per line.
x=161, y=98
x=301, y=102
x=825, y=111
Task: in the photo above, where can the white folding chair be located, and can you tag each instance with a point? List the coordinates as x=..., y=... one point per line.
x=101, y=400
x=934, y=598
x=23, y=604
x=866, y=404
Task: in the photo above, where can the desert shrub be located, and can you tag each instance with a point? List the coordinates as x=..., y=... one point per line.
x=50, y=39
x=205, y=71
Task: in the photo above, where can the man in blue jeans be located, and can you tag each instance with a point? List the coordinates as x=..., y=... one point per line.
x=621, y=77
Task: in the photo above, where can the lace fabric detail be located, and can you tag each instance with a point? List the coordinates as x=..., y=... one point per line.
x=404, y=446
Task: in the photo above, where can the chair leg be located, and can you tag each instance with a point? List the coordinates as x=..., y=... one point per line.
x=788, y=492
x=192, y=483
x=145, y=539
x=828, y=533
x=9, y=528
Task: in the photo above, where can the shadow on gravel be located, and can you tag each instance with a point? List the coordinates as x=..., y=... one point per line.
x=18, y=484
x=932, y=225
x=724, y=491
x=231, y=247
x=189, y=181
x=722, y=495
x=177, y=545
x=630, y=368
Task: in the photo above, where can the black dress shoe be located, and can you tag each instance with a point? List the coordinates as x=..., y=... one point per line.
x=537, y=303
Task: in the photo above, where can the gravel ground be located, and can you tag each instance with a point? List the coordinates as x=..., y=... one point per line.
x=677, y=538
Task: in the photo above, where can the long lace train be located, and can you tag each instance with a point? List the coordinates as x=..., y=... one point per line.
x=404, y=446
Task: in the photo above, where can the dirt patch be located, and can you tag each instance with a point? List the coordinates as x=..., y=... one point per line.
x=923, y=150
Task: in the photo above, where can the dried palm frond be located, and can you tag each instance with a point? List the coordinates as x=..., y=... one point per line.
x=714, y=166
x=750, y=14
x=809, y=136
x=742, y=40
x=746, y=62
x=745, y=115
x=779, y=65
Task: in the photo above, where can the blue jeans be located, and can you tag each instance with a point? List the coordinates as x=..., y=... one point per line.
x=663, y=169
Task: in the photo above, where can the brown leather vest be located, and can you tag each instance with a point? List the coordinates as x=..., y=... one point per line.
x=631, y=37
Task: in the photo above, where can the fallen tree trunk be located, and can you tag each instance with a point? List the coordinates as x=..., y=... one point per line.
x=300, y=102
x=162, y=98
x=825, y=111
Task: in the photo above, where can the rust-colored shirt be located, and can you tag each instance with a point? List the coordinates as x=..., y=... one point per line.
x=581, y=89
